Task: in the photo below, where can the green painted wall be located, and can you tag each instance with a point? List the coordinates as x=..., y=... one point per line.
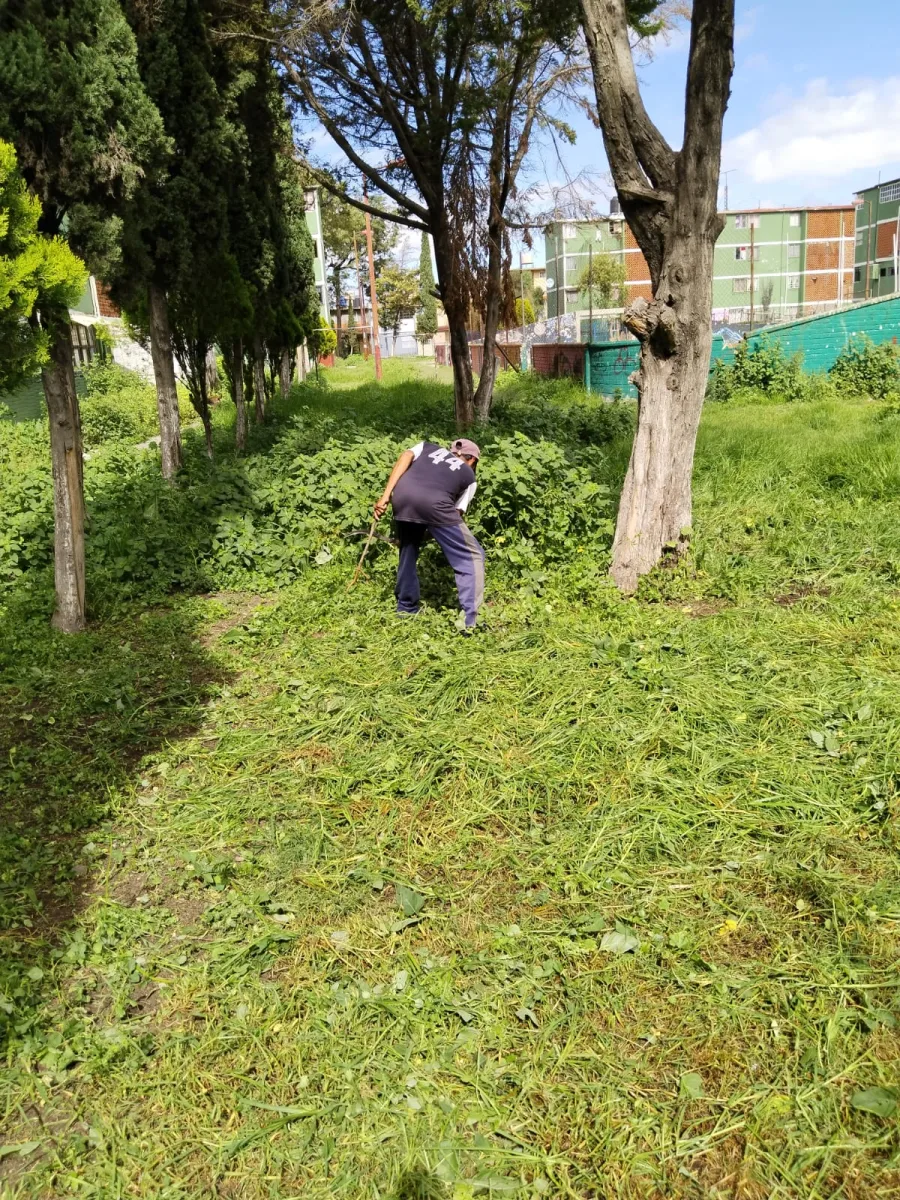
x=822, y=338
x=607, y=366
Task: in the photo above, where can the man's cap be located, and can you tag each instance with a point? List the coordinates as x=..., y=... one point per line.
x=463, y=446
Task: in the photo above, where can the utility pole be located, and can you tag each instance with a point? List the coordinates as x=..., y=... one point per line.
x=363, y=318
x=373, y=295
x=522, y=354
x=752, y=270
x=590, y=336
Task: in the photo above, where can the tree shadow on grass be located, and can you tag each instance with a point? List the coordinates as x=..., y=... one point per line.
x=78, y=714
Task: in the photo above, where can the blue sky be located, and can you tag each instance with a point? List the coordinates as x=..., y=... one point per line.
x=814, y=114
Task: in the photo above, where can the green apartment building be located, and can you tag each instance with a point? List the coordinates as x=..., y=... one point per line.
x=770, y=264
x=877, y=261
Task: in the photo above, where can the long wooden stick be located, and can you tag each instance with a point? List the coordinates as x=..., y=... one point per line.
x=362, y=557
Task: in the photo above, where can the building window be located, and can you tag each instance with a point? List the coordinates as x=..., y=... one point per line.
x=793, y=249
x=859, y=237
x=569, y=231
x=890, y=191
x=741, y=285
x=742, y=253
x=793, y=281
x=857, y=275
x=794, y=219
x=746, y=221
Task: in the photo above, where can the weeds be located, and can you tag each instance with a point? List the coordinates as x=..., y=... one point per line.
x=600, y=902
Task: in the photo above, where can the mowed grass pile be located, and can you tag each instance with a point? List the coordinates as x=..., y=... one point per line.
x=602, y=902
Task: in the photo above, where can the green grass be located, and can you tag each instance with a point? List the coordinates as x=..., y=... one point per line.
x=603, y=902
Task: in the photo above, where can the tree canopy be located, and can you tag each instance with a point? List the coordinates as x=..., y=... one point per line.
x=603, y=279
x=34, y=268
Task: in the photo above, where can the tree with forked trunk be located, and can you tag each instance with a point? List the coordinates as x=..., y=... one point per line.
x=668, y=198
x=448, y=97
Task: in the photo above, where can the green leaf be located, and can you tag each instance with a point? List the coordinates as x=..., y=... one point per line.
x=817, y=738
x=495, y=1183
x=20, y=1148
x=877, y=1100
x=411, y=902
x=832, y=744
x=690, y=1086
x=324, y=556
x=35, y=974
x=622, y=941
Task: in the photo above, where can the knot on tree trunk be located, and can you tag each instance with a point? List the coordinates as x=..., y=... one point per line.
x=654, y=322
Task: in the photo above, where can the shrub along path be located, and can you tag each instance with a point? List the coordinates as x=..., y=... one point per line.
x=602, y=902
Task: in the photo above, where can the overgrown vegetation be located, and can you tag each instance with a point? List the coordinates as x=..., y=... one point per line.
x=302, y=901
x=864, y=369
x=762, y=372
x=117, y=405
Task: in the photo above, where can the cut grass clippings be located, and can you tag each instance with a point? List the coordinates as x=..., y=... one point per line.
x=601, y=902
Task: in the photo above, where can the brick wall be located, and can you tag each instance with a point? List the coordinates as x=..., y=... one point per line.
x=821, y=287
x=828, y=224
x=106, y=306
x=885, y=240
x=823, y=256
x=558, y=361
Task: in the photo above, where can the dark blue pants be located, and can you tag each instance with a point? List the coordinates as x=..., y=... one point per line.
x=461, y=551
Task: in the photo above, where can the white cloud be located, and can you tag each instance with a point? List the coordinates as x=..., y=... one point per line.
x=822, y=134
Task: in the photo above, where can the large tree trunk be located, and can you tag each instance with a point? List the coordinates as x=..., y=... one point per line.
x=237, y=383
x=284, y=371
x=456, y=307
x=259, y=380
x=676, y=340
x=68, y=477
x=164, y=374
x=669, y=201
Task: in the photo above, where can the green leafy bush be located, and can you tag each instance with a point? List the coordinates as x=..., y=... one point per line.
x=864, y=369
x=119, y=406
x=761, y=372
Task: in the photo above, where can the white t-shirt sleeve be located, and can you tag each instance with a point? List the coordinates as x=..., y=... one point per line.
x=466, y=498
x=417, y=449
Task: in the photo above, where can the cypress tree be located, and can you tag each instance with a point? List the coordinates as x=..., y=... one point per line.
x=426, y=319
x=85, y=132
x=176, y=223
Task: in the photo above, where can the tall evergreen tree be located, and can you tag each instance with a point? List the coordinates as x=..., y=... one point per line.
x=85, y=132
x=176, y=226
x=426, y=318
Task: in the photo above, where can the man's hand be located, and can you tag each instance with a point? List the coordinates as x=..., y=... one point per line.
x=381, y=508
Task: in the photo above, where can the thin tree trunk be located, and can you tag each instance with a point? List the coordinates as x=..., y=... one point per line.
x=301, y=364
x=485, y=393
x=336, y=284
x=285, y=373
x=212, y=371
x=164, y=374
x=237, y=383
x=68, y=477
x=259, y=380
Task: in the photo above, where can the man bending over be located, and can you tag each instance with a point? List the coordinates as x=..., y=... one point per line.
x=430, y=489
